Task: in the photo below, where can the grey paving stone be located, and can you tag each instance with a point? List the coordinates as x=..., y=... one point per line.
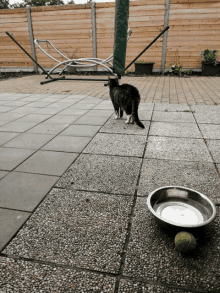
x=128, y=286
x=177, y=149
x=6, y=136
x=190, y=130
x=207, y=117
x=102, y=173
x=12, y=157
x=47, y=111
x=73, y=111
x=67, y=144
x=119, y=126
x=99, y=113
x=34, y=118
x=29, y=141
x=24, y=276
x=81, y=130
x=3, y=174
x=214, y=147
x=38, y=104
x=11, y=116
x=143, y=115
x=146, y=106
x=48, y=162
x=83, y=106
x=48, y=128
x=16, y=126
x=117, y=144
x=11, y=221
x=173, y=116
x=151, y=255
x=22, y=191
x=172, y=107
x=199, y=176
x=205, y=108
x=81, y=229
x=24, y=110
x=211, y=131
x=62, y=119
x=6, y=109
x=91, y=120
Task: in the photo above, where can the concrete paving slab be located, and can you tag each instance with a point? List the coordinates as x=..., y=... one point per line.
x=116, y=175
x=151, y=255
x=202, y=177
x=173, y=116
x=117, y=144
x=73, y=111
x=143, y=115
x=48, y=111
x=128, y=286
x=37, y=277
x=207, y=117
x=3, y=174
x=12, y=157
x=105, y=113
x=214, y=147
x=81, y=130
x=6, y=136
x=11, y=221
x=173, y=148
x=11, y=116
x=29, y=141
x=48, y=163
x=38, y=104
x=22, y=191
x=92, y=120
x=61, y=106
x=119, y=126
x=95, y=228
x=83, y=106
x=63, y=119
x=172, y=107
x=146, y=107
x=24, y=110
x=48, y=128
x=67, y=144
x=4, y=109
x=175, y=129
x=16, y=126
x=34, y=118
x=205, y=108
x=210, y=131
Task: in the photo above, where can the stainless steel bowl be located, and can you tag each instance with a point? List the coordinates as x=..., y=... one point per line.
x=181, y=207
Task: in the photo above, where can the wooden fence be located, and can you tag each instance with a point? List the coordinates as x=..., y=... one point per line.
x=88, y=31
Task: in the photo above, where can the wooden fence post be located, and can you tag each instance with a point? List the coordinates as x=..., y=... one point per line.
x=93, y=14
x=28, y=10
x=166, y=22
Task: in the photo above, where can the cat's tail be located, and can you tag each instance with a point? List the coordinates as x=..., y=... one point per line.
x=135, y=114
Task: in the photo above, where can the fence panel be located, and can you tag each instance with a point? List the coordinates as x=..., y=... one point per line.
x=14, y=21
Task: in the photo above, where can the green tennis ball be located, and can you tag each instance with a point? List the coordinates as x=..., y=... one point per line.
x=185, y=242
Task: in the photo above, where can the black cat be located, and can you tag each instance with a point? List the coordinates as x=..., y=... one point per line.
x=126, y=98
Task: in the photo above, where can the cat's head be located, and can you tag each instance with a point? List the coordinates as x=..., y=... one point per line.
x=112, y=82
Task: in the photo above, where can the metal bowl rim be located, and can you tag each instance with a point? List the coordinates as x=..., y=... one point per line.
x=176, y=224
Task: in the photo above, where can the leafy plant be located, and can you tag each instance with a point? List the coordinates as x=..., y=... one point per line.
x=188, y=72
x=141, y=61
x=175, y=68
x=209, y=57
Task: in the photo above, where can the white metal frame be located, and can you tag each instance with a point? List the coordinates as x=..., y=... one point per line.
x=78, y=63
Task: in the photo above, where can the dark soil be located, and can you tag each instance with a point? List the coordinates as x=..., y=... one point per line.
x=8, y=75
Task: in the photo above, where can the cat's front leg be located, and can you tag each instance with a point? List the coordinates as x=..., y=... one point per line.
x=117, y=115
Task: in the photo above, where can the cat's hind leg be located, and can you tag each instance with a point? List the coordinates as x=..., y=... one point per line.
x=129, y=119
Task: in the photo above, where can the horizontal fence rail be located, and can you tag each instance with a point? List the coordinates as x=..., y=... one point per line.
x=87, y=31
